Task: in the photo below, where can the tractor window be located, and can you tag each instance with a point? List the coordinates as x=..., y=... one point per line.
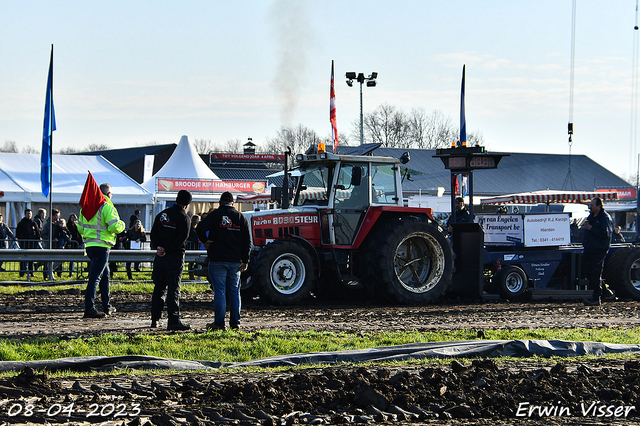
x=383, y=178
x=352, y=186
x=312, y=187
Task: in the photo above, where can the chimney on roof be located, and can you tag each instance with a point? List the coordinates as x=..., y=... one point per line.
x=249, y=147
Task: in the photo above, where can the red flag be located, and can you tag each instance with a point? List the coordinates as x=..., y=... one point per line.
x=332, y=113
x=456, y=186
x=91, y=199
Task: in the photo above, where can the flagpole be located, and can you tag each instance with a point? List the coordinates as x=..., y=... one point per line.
x=51, y=168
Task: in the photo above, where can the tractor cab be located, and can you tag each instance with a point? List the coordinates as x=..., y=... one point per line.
x=344, y=188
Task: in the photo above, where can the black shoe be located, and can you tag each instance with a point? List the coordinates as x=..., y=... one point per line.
x=213, y=327
x=591, y=302
x=155, y=323
x=234, y=326
x=110, y=310
x=178, y=326
x=93, y=314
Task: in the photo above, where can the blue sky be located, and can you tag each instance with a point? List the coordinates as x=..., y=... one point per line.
x=127, y=73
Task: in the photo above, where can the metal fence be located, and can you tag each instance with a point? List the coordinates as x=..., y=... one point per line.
x=66, y=262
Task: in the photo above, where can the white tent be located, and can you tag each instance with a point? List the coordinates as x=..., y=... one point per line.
x=186, y=164
x=20, y=181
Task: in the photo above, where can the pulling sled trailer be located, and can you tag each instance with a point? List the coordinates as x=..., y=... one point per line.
x=534, y=253
x=516, y=255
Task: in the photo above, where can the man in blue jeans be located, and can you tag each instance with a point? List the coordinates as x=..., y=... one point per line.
x=225, y=234
x=99, y=224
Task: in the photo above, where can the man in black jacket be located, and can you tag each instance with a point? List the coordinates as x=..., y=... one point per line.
x=168, y=236
x=225, y=234
x=597, y=231
x=28, y=234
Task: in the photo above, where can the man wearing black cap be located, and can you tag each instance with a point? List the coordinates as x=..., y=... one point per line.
x=462, y=214
x=168, y=236
x=225, y=234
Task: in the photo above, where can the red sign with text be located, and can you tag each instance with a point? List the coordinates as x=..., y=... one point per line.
x=623, y=194
x=272, y=158
x=198, y=185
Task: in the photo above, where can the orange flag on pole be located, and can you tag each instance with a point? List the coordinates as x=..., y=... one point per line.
x=91, y=199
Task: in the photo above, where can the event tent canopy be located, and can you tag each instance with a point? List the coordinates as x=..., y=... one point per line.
x=184, y=163
x=20, y=179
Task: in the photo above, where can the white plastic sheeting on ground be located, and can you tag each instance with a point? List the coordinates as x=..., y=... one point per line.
x=458, y=349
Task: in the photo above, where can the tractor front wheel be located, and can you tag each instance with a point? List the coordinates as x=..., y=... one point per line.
x=284, y=272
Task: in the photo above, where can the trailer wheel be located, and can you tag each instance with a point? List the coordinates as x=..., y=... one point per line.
x=622, y=272
x=512, y=282
x=411, y=260
x=284, y=273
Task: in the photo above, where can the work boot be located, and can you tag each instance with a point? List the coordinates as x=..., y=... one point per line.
x=592, y=302
x=179, y=326
x=93, y=314
x=213, y=327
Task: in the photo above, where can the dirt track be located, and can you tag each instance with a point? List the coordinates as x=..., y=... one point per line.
x=482, y=393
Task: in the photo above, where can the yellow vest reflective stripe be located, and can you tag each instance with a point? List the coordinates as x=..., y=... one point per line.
x=95, y=233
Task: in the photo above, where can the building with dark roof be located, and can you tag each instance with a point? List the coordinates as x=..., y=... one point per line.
x=516, y=172
x=131, y=160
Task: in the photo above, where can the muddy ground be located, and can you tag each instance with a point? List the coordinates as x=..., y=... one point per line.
x=482, y=392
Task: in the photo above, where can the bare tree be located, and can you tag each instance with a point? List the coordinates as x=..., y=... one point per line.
x=234, y=145
x=67, y=150
x=97, y=147
x=385, y=125
x=9, y=146
x=30, y=150
x=299, y=139
x=203, y=146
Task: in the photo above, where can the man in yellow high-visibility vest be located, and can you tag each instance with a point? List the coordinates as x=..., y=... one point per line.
x=99, y=234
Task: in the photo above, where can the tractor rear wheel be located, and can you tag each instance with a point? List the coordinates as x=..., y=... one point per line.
x=622, y=272
x=284, y=272
x=411, y=260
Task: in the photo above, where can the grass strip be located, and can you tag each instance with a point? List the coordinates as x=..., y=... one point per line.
x=237, y=346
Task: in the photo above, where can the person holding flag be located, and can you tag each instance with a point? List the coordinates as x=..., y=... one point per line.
x=99, y=224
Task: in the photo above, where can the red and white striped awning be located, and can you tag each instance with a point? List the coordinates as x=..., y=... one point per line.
x=263, y=198
x=549, y=196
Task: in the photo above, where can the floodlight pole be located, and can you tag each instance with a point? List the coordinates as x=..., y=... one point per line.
x=371, y=82
x=361, y=117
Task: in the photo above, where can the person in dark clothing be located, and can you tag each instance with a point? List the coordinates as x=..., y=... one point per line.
x=462, y=214
x=5, y=233
x=134, y=234
x=122, y=239
x=617, y=236
x=597, y=231
x=225, y=234
x=135, y=216
x=40, y=219
x=193, y=243
x=168, y=236
x=76, y=238
x=28, y=234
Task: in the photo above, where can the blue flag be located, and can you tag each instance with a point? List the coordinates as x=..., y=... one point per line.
x=463, y=119
x=47, y=133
